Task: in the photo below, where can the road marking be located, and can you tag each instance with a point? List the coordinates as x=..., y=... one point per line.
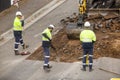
x=39, y=34
x=8, y=35
x=115, y=79
x=48, y=11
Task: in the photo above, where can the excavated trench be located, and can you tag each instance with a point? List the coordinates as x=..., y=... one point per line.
x=107, y=44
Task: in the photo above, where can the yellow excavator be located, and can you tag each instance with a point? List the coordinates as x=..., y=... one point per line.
x=73, y=29
x=82, y=12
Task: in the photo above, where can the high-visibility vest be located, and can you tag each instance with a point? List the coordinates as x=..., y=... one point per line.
x=87, y=36
x=48, y=33
x=17, y=25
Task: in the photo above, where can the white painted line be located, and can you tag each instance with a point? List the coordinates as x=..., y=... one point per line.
x=32, y=19
x=47, y=11
x=39, y=34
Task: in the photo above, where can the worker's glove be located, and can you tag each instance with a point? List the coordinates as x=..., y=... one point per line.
x=93, y=41
x=22, y=20
x=53, y=47
x=22, y=23
x=52, y=44
x=50, y=40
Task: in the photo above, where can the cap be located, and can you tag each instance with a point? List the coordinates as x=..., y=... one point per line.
x=51, y=26
x=18, y=13
x=87, y=24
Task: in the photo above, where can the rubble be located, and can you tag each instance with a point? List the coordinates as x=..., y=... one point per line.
x=107, y=44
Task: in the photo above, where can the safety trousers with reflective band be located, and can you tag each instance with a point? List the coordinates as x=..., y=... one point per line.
x=87, y=45
x=46, y=56
x=18, y=39
x=90, y=53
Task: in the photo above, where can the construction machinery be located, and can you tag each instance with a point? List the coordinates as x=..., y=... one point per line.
x=86, y=7
x=74, y=28
x=102, y=7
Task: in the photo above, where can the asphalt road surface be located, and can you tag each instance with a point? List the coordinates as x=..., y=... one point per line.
x=17, y=68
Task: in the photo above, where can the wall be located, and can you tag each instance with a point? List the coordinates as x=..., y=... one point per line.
x=4, y=4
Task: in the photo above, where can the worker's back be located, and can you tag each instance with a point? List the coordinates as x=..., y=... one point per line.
x=87, y=36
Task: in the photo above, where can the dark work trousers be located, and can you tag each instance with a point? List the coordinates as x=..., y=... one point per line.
x=46, y=56
x=18, y=39
x=87, y=49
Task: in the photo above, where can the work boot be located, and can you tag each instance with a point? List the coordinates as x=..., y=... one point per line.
x=16, y=52
x=83, y=69
x=46, y=68
x=49, y=66
x=90, y=70
x=25, y=46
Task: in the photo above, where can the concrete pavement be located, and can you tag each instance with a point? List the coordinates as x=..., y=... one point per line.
x=110, y=64
x=32, y=19
x=33, y=70
x=27, y=7
x=17, y=68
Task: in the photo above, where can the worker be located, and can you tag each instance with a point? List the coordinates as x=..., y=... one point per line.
x=46, y=44
x=17, y=29
x=87, y=37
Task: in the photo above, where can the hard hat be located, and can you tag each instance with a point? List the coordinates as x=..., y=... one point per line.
x=51, y=26
x=87, y=24
x=18, y=13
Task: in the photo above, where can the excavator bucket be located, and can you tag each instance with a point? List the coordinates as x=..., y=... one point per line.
x=73, y=30
x=92, y=7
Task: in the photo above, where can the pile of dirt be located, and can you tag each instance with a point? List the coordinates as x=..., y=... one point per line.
x=107, y=44
x=67, y=50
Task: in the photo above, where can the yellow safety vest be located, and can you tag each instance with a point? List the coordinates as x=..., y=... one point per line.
x=17, y=25
x=87, y=36
x=48, y=33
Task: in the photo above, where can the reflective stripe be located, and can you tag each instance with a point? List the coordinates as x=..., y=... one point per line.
x=47, y=56
x=17, y=43
x=84, y=63
x=90, y=63
x=21, y=39
x=45, y=64
x=90, y=55
x=16, y=49
x=84, y=55
x=86, y=40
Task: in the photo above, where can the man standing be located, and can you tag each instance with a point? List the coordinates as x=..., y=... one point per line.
x=46, y=44
x=17, y=29
x=87, y=37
